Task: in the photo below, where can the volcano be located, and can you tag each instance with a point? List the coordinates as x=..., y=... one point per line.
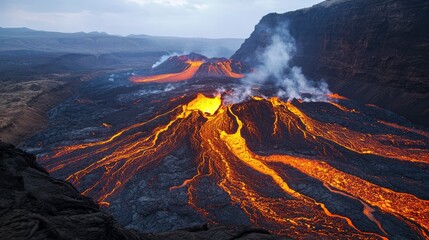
x=201, y=141
x=185, y=67
x=304, y=169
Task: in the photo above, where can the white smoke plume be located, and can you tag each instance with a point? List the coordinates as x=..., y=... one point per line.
x=275, y=73
x=167, y=56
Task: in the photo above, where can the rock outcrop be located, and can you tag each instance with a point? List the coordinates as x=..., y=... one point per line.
x=373, y=51
x=34, y=205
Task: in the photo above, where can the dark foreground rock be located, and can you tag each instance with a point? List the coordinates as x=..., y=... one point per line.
x=34, y=205
x=372, y=51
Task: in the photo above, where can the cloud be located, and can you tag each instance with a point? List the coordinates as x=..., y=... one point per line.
x=46, y=19
x=185, y=18
x=170, y=3
x=162, y=2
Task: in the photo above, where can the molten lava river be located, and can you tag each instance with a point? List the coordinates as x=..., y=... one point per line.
x=325, y=170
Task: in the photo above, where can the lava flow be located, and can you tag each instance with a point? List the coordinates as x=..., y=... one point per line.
x=185, y=67
x=283, y=164
x=186, y=74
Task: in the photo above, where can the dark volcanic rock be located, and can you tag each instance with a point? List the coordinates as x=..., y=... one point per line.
x=373, y=51
x=34, y=205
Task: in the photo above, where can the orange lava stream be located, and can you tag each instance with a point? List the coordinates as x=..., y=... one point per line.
x=337, y=96
x=343, y=108
x=188, y=73
x=406, y=129
x=367, y=210
x=225, y=68
x=106, y=125
x=363, y=143
x=294, y=214
x=238, y=147
x=223, y=155
x=135, y=151
x=69, y=149
x=403, y=204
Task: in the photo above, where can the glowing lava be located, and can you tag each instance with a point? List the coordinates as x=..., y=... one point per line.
x=188, y=73
x=264, y=184
x=364, y=143
x=221, y=68
x=205, y=104
x=180, y=68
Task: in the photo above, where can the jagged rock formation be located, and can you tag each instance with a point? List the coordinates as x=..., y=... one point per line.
x=373, y=51
x=34, y=205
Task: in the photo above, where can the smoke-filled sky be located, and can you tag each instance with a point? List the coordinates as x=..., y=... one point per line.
x=186, y=18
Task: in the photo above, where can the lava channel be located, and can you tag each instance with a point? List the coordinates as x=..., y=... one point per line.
x=262, y=184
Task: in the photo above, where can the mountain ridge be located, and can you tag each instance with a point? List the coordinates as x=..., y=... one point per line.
x=101, y=42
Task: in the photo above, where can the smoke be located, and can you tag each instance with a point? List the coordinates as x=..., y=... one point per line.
x=167, y=56
x=274, y=76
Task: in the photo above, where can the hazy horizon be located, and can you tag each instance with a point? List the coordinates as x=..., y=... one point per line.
x=173, y=18
x=120, y=35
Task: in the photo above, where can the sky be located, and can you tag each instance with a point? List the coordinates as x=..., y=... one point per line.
x=183, y=18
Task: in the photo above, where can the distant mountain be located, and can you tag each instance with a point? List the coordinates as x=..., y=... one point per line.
x=27, y=32
x=12, y=39
x=372, y=51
